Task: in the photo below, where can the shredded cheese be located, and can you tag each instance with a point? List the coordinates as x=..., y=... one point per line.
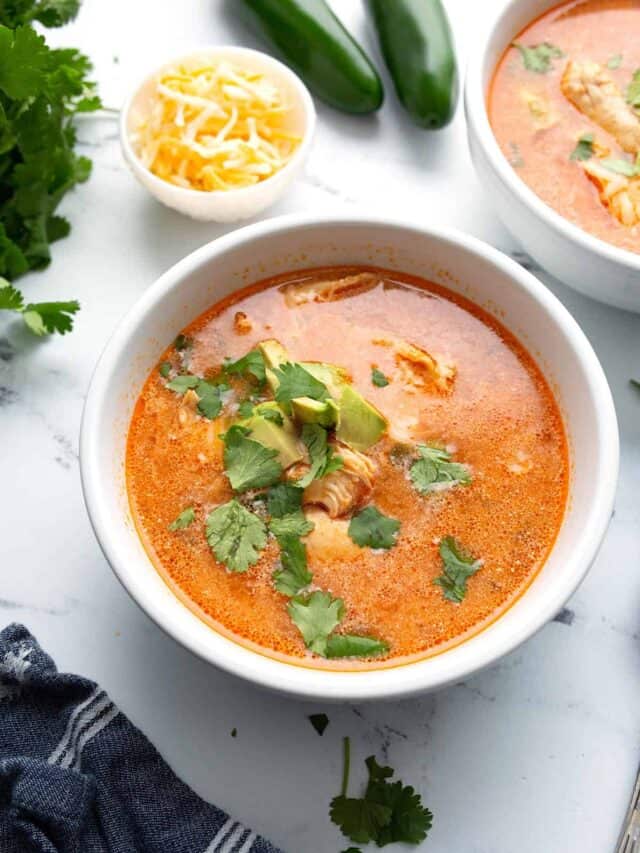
x=215, y=127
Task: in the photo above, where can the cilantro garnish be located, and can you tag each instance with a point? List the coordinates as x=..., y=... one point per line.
x=622, y=167
x=248, y=464
x=284, y=499
x=210, y=404
x=272, y=415
x=235, y=535
x=292, y=524
x=186, y=517
x=371, y=529
x=632, y=93
x=41, y=90
x=164, y=369
x=538, y=57
x=250, y=364
x=181, y=384
x=584, y=148
x=388, y=812
x=323, y=460
x=378, y=378
x=182, y=342
x=458, y=566
x=433, y=467
x=614, y=61
x=319, y=722
x=294, y=575
x=294, y=381
x=41, y=318
x=245, y=409
x=354, y=646
x=315, y=616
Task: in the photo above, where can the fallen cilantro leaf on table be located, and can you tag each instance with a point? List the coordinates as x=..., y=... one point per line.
x=294, y=381
x=234, y=732
x=378, y=378
x=315, y=616
x=458, y=566
x=435, y=466
x=186, y=517
x=388, y=812
x=41, y=318
x=635, y=383
x=319, y=722
x=371, y=529
x=245, y=409
x=537, y=58
x=235, y=535
x=251, y=364
x=584, y=148
x=323, y=459
x=248, y=464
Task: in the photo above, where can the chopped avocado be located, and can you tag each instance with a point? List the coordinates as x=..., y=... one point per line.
x=332, y=376
x=359, y=423
x=308, y=411
x=281, y=437
x=273, y=353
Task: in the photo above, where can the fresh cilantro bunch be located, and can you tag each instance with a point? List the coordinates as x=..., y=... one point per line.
x=41, y=90
x=388, y=812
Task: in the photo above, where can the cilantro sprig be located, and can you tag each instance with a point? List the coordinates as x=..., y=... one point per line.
x=434, y=469
x=295, y=381
x=389, y=812
x=458, y=567
x=371, y=529
x=249, y=464
x=584, y=148
x=235, y=535
x=251, y=364
x=538, y=58
x=41, y=90
x=322, y=458
x=186, y=518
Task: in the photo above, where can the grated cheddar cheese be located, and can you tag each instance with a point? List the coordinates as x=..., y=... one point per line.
x=215, y=126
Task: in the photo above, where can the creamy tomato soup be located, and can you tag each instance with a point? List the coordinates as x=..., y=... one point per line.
x=347, y=467
x=565, y=108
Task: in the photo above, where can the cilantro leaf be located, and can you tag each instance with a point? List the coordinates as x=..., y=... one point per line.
x=354, y=646
x=622, y=167
x=10, y=297
x=252, y=363
x=458, y=566
x=293, y=524
x=584, y=148
x=50, y=13
x=632, y=93
x=272, y=415
x=248, y=464
x=371, y=529
x=235, y=535
x=245, y=409
x=537, y=58
x=614, y=61
x=183, y=383
x=164, y=369
x=378, y=378
x=182, y=342
x=25, y=62
x=359, y=819
x=315, y=616
x=323, y=460
x=186, y=517
x=294, y=576
x=209, y=404
x=434, y=467
x=409, y=821
x=44, y=318
x=294, y=381
x=284, y=499
x=319, y=722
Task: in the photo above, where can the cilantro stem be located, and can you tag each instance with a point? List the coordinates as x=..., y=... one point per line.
x=346, y=752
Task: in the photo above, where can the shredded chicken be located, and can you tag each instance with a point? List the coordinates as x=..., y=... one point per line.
x=420, y=369
x=592, y=91
x=330, y=290
x=241, y=323
x=347, y=488
x=542, y=115
x=620, y=194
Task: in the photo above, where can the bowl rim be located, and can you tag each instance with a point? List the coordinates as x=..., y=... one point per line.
x=475, y=102
x=408, y=679
x=298, y=157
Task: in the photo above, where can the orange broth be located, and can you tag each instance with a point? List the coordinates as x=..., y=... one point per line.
x=500, y=417
x=602, y=31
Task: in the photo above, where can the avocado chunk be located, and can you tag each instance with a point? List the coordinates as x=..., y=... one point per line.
x=359, y=423
x=274, y=354
x=334, y=378
x=280, y=437
x=308, y=411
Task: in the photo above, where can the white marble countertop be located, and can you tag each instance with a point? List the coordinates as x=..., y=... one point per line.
x=535, y=754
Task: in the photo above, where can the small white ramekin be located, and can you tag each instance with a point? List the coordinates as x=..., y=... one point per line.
x=232, y=205
x=461, y=263
x=582, y=261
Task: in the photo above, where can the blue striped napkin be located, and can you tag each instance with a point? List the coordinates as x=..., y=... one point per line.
x=77, y=777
